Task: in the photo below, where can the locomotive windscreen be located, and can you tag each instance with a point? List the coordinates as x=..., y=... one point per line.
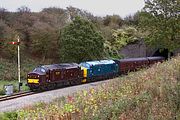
x=39, y=69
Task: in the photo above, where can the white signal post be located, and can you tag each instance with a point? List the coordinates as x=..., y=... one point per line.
x=19, y=67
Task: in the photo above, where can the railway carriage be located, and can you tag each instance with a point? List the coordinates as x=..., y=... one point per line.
x=131, y=64
x=153, y=60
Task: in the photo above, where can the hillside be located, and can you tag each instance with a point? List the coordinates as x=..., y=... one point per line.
x=151, y=93
x=40, y=32
x=9, y=75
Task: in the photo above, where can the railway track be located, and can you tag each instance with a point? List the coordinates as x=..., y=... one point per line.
x=16, y=95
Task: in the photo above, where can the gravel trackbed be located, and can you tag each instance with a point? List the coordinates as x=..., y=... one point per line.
x=46, y=97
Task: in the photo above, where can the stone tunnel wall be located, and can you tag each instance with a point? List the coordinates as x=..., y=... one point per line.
x=139, y=50
x=134, y=50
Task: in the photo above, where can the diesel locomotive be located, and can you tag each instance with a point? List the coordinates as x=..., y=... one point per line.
x=51, y=76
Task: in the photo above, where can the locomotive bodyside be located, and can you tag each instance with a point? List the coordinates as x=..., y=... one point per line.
x=56, y=74
x=153, y=60
x=131, y=64
x=100, y=69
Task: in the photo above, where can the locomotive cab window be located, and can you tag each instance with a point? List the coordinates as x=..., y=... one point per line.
x=85, y=65
x=39, y=69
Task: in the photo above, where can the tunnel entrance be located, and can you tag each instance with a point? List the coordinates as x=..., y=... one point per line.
x=163, y=53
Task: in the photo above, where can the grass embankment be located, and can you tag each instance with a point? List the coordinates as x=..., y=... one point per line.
x=15, y=86
x=8, y=72
x=152, y=94
x=8, y=69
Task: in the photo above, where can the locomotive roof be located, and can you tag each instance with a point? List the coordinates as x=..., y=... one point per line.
x=140, y=59
x=99, y=62
x=155, y=58
x=133, y=59
x=61, y=66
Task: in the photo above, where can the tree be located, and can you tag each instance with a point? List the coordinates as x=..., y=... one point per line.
x=43, y=40
x=56, y=17
x=22, y=23
x=114, y=21
x=160, y=18
x=3, y=13
x=7, y=34
x=124, y=36
x=132, y=20
x=24, y=9
x=80, y=41
x=121, y=38
x=74, y=12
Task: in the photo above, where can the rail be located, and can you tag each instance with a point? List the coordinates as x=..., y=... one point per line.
x=16, y=95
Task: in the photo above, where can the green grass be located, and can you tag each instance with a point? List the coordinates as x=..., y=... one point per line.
x=8, y=72
x=8, y=69
x=9, y=116
x=149, y=94
x=15, y=86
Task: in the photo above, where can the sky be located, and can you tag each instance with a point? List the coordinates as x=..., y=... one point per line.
x=96, y=7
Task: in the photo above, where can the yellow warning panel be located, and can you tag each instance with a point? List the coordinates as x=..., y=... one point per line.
x=84, y=74
x=33, y=80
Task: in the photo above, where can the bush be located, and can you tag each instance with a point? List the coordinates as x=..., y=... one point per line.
x=9, y=116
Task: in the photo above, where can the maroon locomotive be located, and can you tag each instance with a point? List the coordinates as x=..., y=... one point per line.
x=52, y=75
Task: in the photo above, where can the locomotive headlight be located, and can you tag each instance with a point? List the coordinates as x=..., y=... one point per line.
x=28, y=75
x=38, y=76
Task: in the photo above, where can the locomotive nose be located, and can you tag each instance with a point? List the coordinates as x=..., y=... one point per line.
x=33, y=78
x=36, y=76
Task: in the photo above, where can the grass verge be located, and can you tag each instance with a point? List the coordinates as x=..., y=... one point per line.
x=15, y=86
x=8, y=72
x=8, y=69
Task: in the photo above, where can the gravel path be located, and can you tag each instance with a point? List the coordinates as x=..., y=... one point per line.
x=48, y=96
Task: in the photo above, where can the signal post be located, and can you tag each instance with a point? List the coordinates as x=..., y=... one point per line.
x=19, y=67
